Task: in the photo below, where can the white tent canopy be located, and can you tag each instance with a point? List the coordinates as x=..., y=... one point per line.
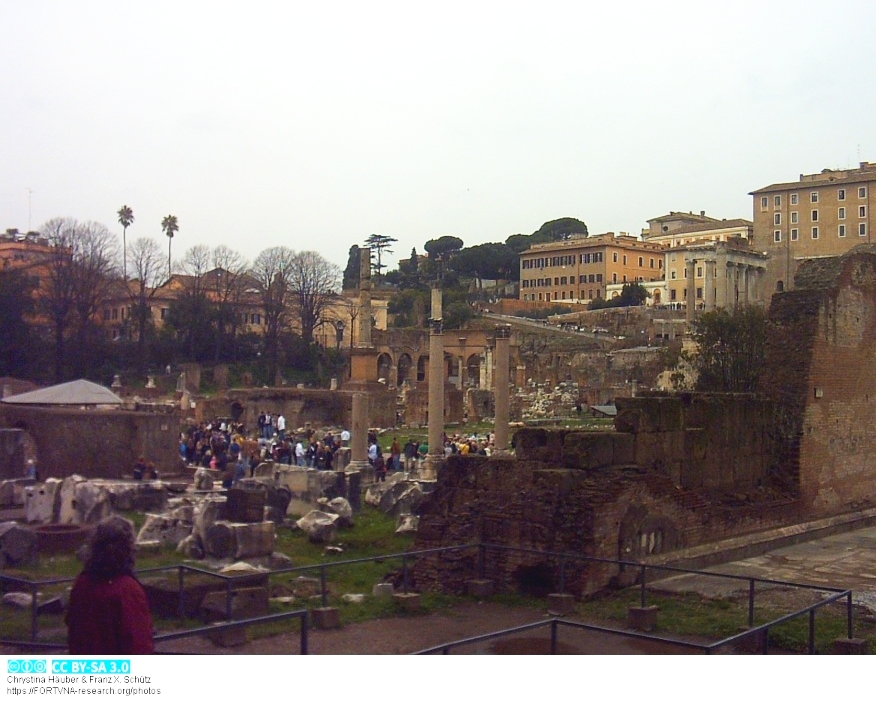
x=77, y=392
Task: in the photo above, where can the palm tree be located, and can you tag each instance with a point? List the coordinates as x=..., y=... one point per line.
x=170, y=226
x=126, y=218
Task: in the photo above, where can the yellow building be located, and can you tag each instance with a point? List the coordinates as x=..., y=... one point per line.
x=823, y=214
x=580, y=268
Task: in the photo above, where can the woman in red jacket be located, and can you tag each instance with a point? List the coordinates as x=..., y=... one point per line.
x=108, y=612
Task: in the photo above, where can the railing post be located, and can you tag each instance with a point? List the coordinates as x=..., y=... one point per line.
x=323, y=590
x=181, y=579
x=764, y=640
x=849, y=614
x=562, y=575
x=811, y=631
x=643, y=594
x=305, y=624
x=228, y=599
x=554, y=636
x=405, y=574
x=751, y=603
x=34, y=612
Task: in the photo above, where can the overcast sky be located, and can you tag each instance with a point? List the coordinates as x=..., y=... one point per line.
x=313, y=125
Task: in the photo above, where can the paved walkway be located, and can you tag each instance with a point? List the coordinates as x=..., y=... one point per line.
x=845, y=561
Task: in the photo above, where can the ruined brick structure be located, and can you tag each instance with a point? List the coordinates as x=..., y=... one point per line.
x=676, y=472
x=686, y=470
x=96, y=442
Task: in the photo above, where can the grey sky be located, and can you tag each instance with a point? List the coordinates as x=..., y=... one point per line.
x=313, y=125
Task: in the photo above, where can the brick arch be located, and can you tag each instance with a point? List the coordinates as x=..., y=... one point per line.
x=642, y=534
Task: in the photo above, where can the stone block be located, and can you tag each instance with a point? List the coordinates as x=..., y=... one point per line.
x=587, y=450
x=850, y=646
x=246, y=602
x=18, y=544
x=325, y=618
x=624, y=448
x=245, y=505
x=382, y=590
x=408, y=602
x=690, y=474
x=265, y=471
x=479, y=588
x=642, y=618
x=649, y=450
x=67, y=512
x=41, y=501
x=164, y=529
x=92, y=502
x=561, y=604
x=249, y=539
x=12, y=491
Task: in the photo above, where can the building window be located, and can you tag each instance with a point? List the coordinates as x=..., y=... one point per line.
x=814, y=215
x=671, y=295
x=106, y=314
x=614, y=257
x=840, y=194
x=556, y=282
x=592, y=278
x=672, y=275
x=660, y=263
x=862, y=211
x=764, y=202
x=777, y=201
x=625, y=258
x=862, y=229
x=813, y=197
x=699, y=292
x=598, y=279
x=777, y=235
x=614, y=278
x=795, y=234
x=862, y=193
x=814, y=232
x=164, y=312
x=777, y=218
x=699, y=271
x=841, y=213
x=115, y=314
x=793, y=217
x=651, y=263
x=794, y=198
x=642, y=262
x=842, y=231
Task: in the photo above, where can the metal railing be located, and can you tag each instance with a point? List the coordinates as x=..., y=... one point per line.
x=482, y=550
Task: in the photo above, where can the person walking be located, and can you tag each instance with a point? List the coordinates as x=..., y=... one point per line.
x=108, y=613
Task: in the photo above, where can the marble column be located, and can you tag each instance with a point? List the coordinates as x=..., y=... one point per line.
x=743, y=269
x=364, y=320
x=709, y=286
x=720, y=278
x=359, y=433
x=691, y=302
x=502, y=385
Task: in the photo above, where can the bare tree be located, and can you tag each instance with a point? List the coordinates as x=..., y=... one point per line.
x=271, y=271
x=314, y=283
x=146, y=262
x=226, y=286
x=81, y=267
x=192, y=311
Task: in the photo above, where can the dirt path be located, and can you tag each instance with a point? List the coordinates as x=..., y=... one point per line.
x=396, y=636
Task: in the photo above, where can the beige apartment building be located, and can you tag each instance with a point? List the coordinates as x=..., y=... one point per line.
x=580, y=268
x=823, y=214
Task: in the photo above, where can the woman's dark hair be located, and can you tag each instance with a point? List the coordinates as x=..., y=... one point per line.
x=112, y=548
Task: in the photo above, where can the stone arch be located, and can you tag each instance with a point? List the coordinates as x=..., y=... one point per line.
x=451, y=366
x=384, y=367
x=641, y=534
x=403, y=369
x=422, y=365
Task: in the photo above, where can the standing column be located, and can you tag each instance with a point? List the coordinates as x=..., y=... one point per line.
x=359, y=433
x=364, y=340
x=436, y=389
x=502, y=383
x=691, y=304
x=709, y=286
x=720, y=277
x=744, y=271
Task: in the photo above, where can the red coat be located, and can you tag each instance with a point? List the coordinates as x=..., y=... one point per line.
x=108, y=617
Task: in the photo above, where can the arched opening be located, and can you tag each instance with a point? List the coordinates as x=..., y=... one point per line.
x=236, y=411
x=656, y=297
x=403, y=369
x=422, y=364
x=451, y=368
x=780, y=286
x=473, y=370
x=384, y=367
